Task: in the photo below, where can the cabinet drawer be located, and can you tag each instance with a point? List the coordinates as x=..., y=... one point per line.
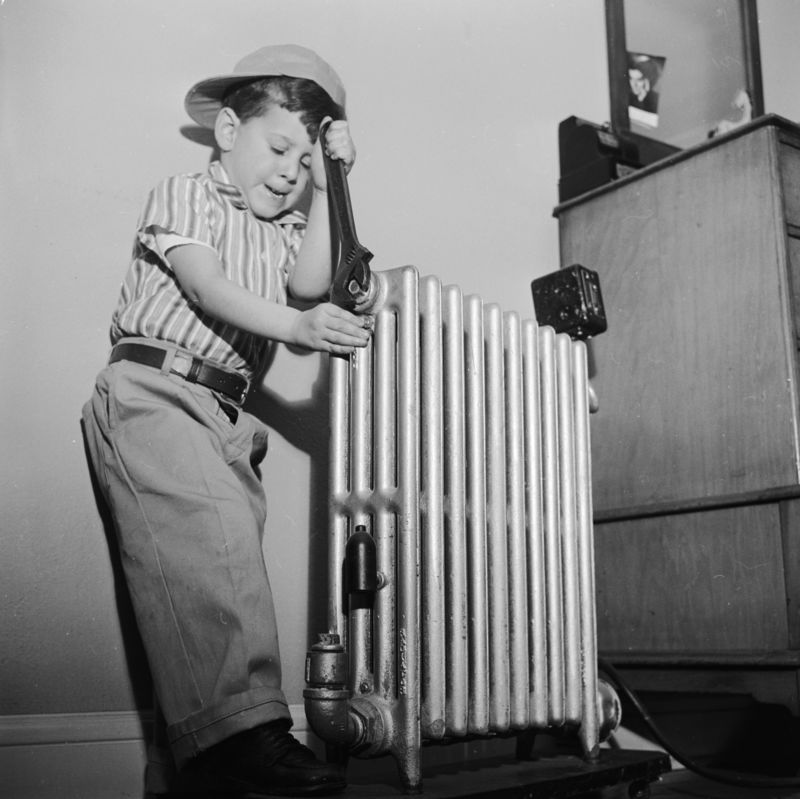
x=700, y=581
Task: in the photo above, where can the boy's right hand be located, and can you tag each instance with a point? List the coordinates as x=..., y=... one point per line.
x=328, y=328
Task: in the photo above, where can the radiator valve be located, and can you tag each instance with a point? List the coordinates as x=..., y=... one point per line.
x=609, y=709
x=326, y=663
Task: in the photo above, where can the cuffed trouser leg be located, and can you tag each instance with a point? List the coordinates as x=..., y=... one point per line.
x=183, y=484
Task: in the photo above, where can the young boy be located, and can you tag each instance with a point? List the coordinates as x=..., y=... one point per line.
x=176, y=456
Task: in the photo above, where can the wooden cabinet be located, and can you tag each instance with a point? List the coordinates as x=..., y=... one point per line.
x=696, y=445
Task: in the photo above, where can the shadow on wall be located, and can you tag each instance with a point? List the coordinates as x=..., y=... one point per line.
x=305, y=425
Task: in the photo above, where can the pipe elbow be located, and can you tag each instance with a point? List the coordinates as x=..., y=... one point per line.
x=330, y=717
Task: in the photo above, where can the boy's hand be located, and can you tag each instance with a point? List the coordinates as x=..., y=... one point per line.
x=328, y=328
x=338, y=144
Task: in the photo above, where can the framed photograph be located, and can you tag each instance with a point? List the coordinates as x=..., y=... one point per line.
x=681, y=71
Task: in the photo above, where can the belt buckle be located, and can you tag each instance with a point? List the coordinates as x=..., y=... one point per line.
x=186, y=366
x=182, y=365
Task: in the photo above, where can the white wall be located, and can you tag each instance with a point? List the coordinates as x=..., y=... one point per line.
x=454, y=105
x=454, y=108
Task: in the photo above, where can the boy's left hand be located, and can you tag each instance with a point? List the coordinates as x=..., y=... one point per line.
x=339, y=145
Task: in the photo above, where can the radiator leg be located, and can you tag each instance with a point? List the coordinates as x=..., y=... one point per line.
x=525, y=741
x=391, y=726
x=411, y=773
x=409, y=766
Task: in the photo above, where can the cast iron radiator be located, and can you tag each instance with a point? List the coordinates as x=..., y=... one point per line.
x=461, y=572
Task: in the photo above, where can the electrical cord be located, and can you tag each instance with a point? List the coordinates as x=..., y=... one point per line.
x=717, y=775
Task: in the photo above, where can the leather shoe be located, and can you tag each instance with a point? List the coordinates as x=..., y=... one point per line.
x=267, y=761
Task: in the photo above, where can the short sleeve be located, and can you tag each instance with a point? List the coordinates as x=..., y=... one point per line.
x=178, y=206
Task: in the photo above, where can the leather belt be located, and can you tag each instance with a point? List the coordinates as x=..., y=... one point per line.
x=191, y=369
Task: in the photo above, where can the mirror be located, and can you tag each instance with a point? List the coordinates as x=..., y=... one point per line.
x=681, y=71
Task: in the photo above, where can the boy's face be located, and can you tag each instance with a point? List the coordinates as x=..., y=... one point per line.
x=269, y=159
x=640, y=86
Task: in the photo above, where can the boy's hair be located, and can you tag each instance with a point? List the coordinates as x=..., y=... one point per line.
x=254, y=98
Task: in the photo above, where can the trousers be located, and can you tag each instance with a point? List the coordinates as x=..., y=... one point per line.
x=179, y=468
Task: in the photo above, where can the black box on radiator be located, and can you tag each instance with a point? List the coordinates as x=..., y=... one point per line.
x=569, y=300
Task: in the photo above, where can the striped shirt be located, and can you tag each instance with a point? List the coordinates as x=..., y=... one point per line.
x=209, y=210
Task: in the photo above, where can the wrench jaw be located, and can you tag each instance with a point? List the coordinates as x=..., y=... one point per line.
x=353, y=279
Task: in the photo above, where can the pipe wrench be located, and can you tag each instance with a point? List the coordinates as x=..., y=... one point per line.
x=353, y=277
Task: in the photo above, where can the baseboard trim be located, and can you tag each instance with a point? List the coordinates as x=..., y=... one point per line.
x=84, y=755
x=78, y=728
x=74, y=728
